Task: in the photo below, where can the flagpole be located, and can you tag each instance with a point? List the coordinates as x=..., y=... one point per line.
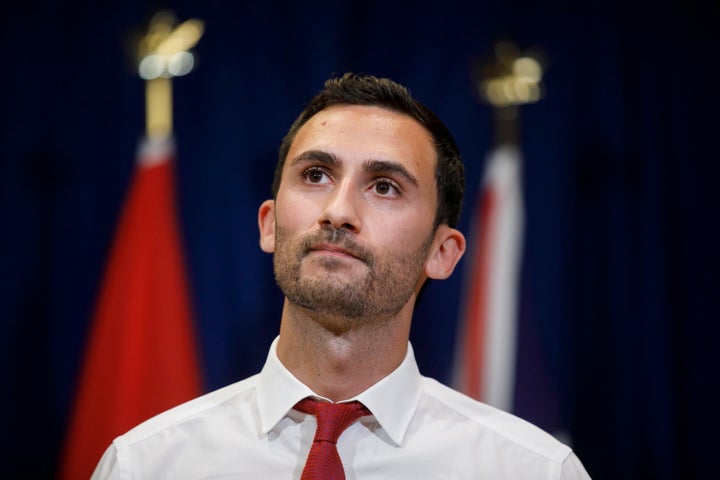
x=515, y=81
x=485, y=361
x=165, y=52
x=141, y=355
x=511, y=79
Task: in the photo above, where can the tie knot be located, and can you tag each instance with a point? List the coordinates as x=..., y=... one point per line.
x=332, y=418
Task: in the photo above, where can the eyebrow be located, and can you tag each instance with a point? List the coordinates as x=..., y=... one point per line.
x=385, y=166
x=316, y=156
x=372, y=165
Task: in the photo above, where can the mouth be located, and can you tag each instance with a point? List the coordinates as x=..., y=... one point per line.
x=332, y=250
x=336, y=244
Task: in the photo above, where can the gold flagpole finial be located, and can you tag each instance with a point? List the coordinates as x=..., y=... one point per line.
x=511, y=79
x=163, y=52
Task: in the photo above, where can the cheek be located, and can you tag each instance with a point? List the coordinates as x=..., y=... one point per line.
x=402, y=235
x=295, y=212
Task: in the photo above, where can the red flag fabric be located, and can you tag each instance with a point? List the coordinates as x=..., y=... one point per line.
x=485, y=359
x=141, y=356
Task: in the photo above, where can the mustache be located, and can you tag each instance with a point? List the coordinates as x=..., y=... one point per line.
x=338, y=237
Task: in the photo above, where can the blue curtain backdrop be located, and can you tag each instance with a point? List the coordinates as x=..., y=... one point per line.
x=620, y=281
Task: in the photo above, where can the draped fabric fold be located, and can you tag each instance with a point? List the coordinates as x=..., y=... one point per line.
x=141, y=355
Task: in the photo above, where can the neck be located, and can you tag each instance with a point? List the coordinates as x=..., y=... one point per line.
x=340, y=364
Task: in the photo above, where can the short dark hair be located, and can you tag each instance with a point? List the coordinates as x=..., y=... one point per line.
x=353, y=89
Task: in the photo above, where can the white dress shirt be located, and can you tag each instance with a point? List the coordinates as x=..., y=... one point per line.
x=420, y=429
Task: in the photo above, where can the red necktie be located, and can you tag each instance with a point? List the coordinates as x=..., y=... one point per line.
x=323, y=462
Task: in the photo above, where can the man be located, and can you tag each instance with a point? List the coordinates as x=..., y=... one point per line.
x=367, y=193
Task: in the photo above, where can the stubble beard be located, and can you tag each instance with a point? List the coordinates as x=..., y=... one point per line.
x=342, y=301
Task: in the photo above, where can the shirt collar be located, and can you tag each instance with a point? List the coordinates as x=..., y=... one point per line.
x=393, y=400
x=277, y=390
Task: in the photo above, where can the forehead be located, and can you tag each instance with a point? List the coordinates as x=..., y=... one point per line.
x=359, y=132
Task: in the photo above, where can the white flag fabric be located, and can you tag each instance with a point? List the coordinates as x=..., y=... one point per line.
x=487, y=331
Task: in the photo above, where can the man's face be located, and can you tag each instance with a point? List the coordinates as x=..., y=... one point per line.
x=352, y=223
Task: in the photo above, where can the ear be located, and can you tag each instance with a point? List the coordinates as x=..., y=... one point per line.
x=447, y=249
x=266, y=224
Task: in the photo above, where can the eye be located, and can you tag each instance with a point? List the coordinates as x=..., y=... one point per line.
x=315, y=175
x=385, y=188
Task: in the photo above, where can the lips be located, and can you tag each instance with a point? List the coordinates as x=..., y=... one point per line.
x=333, y=250
x=336, y=242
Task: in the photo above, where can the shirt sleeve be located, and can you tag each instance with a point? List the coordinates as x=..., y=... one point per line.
x=107, y=468
x=573, y=469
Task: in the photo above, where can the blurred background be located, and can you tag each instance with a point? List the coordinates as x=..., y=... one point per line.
x=620, y=266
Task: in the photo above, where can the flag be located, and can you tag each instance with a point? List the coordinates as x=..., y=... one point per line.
x=487, y=331
x=141, y=356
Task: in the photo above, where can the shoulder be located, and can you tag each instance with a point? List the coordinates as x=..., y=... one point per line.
x=157, y=444
x=490, y=425
x=209, y=405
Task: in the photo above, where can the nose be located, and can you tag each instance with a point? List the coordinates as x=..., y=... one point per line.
x=342, y=209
